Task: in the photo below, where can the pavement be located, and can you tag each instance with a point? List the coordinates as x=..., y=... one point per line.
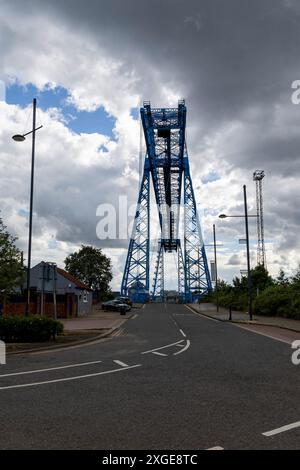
x=223, y=314
x=77, y=331
x=170, y=379
x=97, y=321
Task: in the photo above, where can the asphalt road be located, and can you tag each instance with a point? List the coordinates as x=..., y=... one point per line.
x=171, y=379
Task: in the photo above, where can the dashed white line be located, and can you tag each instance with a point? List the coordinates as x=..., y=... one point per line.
x=282, y=429
x=67, y=379
x=216, y=448
x=35, y=371
x=159, y=353
x=188, y=343
x=162, y=347
x=183, y=333
x=120, y=363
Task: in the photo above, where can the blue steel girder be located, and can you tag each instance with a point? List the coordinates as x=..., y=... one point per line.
x=158, y=288
x=197, y=276
x=136, y=273
x=167, y=162
x=164, y=131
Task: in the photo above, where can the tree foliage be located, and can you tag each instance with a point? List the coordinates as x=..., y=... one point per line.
x=92, y=267
x=272, y=297
x=11, y=269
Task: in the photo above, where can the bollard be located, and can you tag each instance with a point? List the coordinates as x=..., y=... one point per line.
x=230, y=313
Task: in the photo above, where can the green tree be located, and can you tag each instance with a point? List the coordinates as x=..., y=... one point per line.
x=260, y=279
x=11, y=269
x=282, y=279
x=92, y=267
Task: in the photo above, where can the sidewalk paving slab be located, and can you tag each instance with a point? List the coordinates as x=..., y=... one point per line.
x=210, y=310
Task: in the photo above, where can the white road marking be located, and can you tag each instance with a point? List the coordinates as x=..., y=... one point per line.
x=216, y=448
x=118, y=332
x=120, y=363
x=282, y=429
x=162, y=347
x=244, y=327
x=179, y=345
x=183, y=333
x=134, y=316
x=188, y=343
x=67, y=379
x=201, y=315
x=49, y=369
x=159, y=353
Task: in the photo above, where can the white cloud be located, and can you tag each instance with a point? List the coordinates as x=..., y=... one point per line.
x=73, y=176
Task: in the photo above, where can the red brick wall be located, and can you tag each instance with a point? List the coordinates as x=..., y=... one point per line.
x=19, y=308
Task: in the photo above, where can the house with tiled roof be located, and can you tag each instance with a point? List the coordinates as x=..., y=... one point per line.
x=52, y=287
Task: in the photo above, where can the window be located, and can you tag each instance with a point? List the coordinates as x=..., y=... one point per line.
x=85, y=297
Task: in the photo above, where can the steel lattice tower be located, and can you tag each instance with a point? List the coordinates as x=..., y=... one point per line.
x=167, y=165
x=258, y=176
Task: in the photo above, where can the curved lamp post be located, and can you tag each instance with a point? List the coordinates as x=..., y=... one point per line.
x=245, y=216
x=21, y=138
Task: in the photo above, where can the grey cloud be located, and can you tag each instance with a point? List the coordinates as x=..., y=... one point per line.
x=233, y=61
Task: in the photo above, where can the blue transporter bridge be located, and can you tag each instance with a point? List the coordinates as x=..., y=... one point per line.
x=167, y=165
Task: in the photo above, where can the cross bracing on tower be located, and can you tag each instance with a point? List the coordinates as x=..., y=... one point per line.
x=166, y=164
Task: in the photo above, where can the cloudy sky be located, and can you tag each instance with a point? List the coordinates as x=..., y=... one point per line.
x=90, y=64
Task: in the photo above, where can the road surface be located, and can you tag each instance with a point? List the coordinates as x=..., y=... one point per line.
x=170, y=379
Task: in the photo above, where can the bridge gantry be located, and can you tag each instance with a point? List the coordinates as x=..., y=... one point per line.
x=167, y=165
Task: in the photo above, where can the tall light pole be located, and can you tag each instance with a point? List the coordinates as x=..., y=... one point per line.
x=246, y=216
x=248, y=255
x=21, y=138
x=216, y=266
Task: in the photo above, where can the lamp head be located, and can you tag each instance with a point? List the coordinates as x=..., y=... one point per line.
x=222, y=216
x=18, y=138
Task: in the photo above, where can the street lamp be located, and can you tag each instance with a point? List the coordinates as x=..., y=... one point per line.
x=245, y=216
x=21, y=138
x=216, y=267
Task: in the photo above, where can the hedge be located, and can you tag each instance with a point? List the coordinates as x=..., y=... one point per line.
x=28, y=329
x=282, y=301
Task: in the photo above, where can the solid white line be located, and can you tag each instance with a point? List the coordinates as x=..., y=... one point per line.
x=282, y=429
x=120, y=363
x=188, y=343
x=49, y=369
x=159, y=353
x=33, y=384
x=183, y=333
x=263, y=334
x=216, y=448
x=162, y=347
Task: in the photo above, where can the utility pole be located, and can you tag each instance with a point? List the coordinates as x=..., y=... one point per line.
x=216, y=266
x=248, y=255
x=31, y=206
x=21, y=138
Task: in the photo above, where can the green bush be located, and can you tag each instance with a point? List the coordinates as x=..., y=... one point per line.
x=278, y=300
x=28, y=329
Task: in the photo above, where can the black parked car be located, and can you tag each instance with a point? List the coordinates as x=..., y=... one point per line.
x=125, y=300
x=116, y=305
